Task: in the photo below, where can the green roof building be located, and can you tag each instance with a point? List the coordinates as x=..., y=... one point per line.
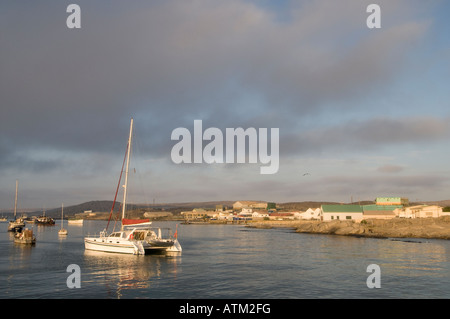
x=342, y=212
x=374, y=207
x=392, y=201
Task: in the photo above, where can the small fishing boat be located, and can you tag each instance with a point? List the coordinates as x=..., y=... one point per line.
x=62, y=231
x=25, y=237
x=45, y=220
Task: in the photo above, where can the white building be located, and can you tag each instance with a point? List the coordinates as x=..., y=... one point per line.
x=342, y=212
x=419, y=211
x=225, y=216
x=260, y=215
x=249, y=204
x=311, y=213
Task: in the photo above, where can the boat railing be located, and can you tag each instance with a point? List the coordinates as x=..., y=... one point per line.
x=167, y=230
x=101, y=234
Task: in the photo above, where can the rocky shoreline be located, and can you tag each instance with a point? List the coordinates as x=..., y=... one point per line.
x=437, y=228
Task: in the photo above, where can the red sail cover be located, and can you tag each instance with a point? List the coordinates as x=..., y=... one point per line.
x=134, y=221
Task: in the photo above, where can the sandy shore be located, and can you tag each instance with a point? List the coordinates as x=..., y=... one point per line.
x=438, y=228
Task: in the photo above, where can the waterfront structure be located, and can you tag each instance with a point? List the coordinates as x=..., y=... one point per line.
x=380, y=211
x=281, y=216
x=158, y=214
x=198, y=213
x=227, y=215
x=245, y=215
x=378, y=214
x=392, y=201
x=260, y=215
x=358, y=213
x=419, y=211
x=342, y=212
x=249, y=204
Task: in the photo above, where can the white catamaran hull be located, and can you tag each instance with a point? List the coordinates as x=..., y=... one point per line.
x=134, y=247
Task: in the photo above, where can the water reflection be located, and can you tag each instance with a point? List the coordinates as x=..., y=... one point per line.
x=414, y=259
x=226, y=262
x=121, y=272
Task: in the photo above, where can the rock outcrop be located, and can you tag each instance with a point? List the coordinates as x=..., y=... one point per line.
x=396, y=227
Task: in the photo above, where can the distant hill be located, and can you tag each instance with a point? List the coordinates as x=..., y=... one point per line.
x=95, y=206
x=302, y=206
x=105, y=206
x=192, y=205
x=443, y=203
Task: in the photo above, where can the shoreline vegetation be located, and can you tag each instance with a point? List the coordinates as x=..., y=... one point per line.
x=429, y=228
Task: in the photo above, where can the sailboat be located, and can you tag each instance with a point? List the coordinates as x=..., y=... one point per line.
x=135, y=236
x=62, y=231
x=17, y=224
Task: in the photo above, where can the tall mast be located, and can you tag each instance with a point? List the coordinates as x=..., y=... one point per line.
x=15, y=200
x=126, y=171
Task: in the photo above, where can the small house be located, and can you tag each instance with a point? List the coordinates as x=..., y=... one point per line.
x=260, y=215
x=311, y=213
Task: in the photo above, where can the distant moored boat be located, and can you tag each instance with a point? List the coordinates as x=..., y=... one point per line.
x=45, y=220
x=62, y=231
x=75, y=221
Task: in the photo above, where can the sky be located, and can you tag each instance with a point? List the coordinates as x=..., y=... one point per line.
x=362, y=113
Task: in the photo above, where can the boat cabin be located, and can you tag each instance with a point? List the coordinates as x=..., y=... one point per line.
x=136, y=234
x=118, y=234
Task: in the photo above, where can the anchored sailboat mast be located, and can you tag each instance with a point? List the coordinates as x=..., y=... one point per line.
x=15, y=200
x=125, y=186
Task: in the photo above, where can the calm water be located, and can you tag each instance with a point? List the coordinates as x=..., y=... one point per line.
x=224, y=261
